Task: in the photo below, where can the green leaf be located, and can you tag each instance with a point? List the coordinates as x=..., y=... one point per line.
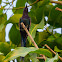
x=56, y=49
x=1, y=58
x=0, y=1
x=34, y=28
x=3, y=18
x=41, y=36
x=1, y=11
x=14, y=35
x=19, y=51
x=52, y=59
x=55, y=17
x=26, y=58
x=57, y=35
x=51, y=38
x=33, y=57
x=41, y=8
x=36, y=15
x=43, y=2
x=14, y=19
x=4, y=48
x=59, y=40
x=45, y=52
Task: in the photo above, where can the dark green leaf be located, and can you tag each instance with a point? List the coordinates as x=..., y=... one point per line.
x=20, y=3
x=14, y=36
x=4, y=48
x=55, y=17
x=52, y=59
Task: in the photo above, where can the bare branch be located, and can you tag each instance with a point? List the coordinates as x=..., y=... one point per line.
x=29, y=35
x=58, y=9
x=57, y=2
x=31, y=38
x=52, y=51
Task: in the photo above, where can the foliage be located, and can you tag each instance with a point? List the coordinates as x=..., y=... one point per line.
x=37, y=14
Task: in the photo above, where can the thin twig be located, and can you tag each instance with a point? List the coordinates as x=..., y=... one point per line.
x=57, y=2
x=40, y=57
x=31, y=38
x=19, y=7
x=52, y=51
x=58, y=9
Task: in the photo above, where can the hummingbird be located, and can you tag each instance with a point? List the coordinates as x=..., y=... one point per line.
x=27, y=22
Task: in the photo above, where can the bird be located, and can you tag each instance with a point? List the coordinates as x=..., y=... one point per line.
x=27, y=22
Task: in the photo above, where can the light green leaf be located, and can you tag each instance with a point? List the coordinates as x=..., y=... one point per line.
x=34, y=28
x=56, y=49
x=19, y=51
x=52, y=59
x=33, y=57
x=45, y=52
x=15, y=18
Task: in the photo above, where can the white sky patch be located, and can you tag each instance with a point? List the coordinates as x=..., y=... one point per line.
x=7, y=29
x=58, y=30
x=46, y=18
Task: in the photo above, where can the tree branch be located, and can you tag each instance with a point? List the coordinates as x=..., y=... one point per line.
x=52, y=51
x=58, y=9
x=19, y=7
x=31, y=38
x=57, y=2
x=12, y=1
x=29, y=35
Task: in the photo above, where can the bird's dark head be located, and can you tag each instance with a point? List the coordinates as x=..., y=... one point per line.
x=25, y=10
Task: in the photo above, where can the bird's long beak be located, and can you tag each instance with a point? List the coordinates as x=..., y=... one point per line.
x=26, y=5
